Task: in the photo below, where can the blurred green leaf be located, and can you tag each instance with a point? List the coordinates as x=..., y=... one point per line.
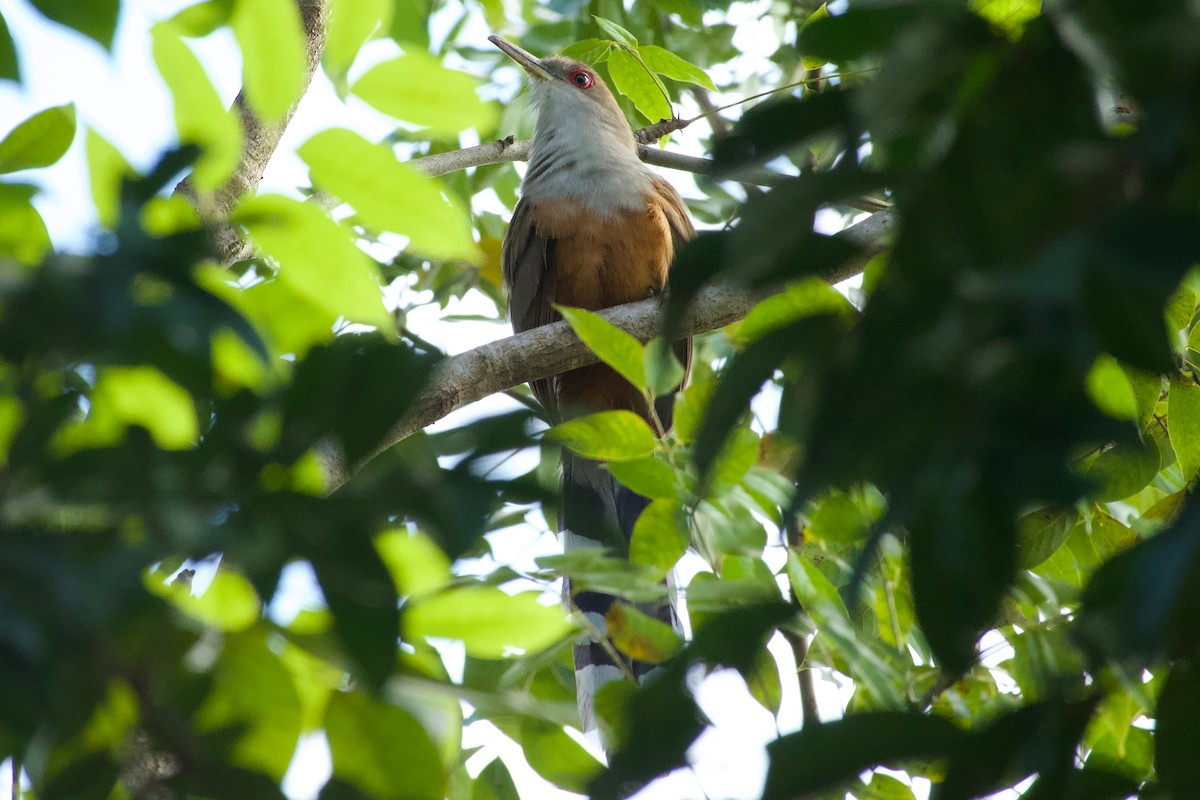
x=107, y=169
x=317, y=257
x=649, y=476
x=39, y=141
x=494, y=782
x=351, y=24
x=660, y=536
x=201, y=117
x=614, y=346
x=10, y=67
x=389, y=195
x=1110, y=389
x=382, y=749
x=417, y=564
x=23, y=234
x=489, y=622
x=416, y=88
x=607, y=436
x=556, y=756
x=274, y=57
x=639, y=636
x=228, y=603
x=616, y=31
x=96, y=19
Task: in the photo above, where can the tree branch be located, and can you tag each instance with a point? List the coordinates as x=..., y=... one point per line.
x=552, y=349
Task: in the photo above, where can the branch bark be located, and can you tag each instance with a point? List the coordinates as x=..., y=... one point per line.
x=552, y=349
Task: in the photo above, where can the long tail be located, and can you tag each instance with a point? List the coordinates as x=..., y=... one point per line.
x=599, y=512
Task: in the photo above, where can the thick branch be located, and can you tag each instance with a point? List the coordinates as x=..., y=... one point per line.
x=553, y=349
x=261, y=139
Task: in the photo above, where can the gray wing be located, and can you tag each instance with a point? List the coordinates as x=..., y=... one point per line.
x=527, y=262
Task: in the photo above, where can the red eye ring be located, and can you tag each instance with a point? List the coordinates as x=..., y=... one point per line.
x=581, y=78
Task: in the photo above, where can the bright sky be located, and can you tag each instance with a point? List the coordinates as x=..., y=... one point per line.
x=121, y=97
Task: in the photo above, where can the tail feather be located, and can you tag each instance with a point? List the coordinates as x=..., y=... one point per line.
x=599, y=512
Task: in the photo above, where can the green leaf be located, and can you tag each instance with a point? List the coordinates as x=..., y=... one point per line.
x=1110, y=389
x=125, y=396
x=253, y=694
x=389, y=195
x=812, y=588
x=556, y=756
x=494, y=782
x=838, y=521
x=382, y=749
x=762, y=680
x=1040, y=533
x=229, y=603
x=650, y=476
x=660, y=536
x=39, y=141
x=351, y=24
x=690, y=11
x=1178, y=729
x=664, y=373
x=10, y=67
x=490, y=622
x=202, y=19
x=23, y=234
x=616, y=31
x=201, y=118
x=1008, y=15
x=1123, y=469
x=317, y=257
x=416, y=88
x=664, y=62
x=96, y=19
x=737, y=456
x=589, y=51
x=632, y=79
x=615, y=347
x=274, y=57
x=822, y=12
x=107, y=169
x=804, y=298
x=639, y=636
x=822, y=757
x=607, y=436
x=690, y=405
x=417, y=564
x=1183, y=420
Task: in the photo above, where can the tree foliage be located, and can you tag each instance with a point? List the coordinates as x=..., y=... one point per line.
x=994, y=443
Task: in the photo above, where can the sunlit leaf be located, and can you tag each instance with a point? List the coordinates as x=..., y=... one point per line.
x=416, y=563
x=125, y=396
x=10, y=68
x=650, y=477
x=351, y=24
x=389, y=195
x=39, y=141
x=615, y=347
x=23, y=234
x=616, y=31
x=273, y=54
x=632, y=79
x=107, y=168
x=382, y=749
x=664, y=62
x=228, y=603
x=416, y=88
x=317, y=257
x=489, y=622
x=201, y=117
x=607, y=436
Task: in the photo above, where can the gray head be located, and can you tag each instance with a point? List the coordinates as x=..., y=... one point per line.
x=582, y=146
x=566, y=92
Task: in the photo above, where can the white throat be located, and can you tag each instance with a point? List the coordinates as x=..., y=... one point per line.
x=580, y=154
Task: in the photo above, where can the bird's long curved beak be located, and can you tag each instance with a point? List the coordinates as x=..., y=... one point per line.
x=532, y=65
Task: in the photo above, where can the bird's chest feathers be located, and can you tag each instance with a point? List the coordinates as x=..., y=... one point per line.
x=605, y=259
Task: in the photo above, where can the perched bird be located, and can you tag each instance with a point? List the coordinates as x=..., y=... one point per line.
x=594, y=228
